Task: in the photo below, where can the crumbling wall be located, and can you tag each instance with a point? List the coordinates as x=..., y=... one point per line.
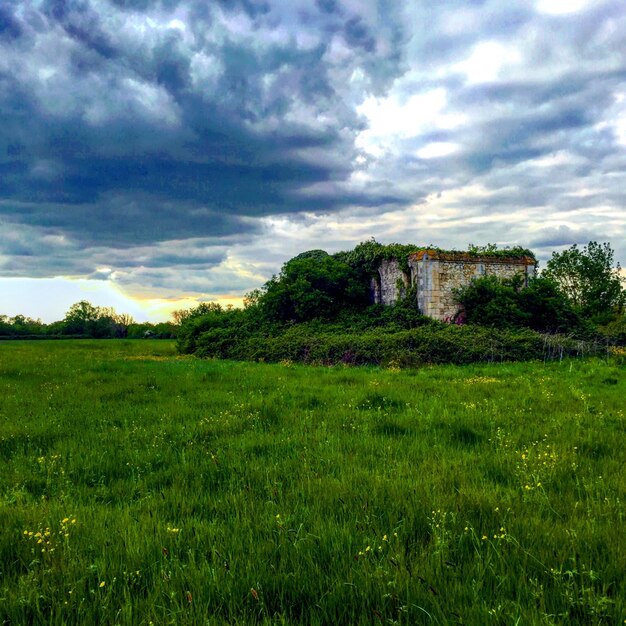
x=438, y=274
x=393, y=282
x=375, y=290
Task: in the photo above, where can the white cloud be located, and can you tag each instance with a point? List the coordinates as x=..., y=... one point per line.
x=394, y=118
x=205, y=70
x=561, y=7
x=437, y=149
x=487, y=61
x=556, y=159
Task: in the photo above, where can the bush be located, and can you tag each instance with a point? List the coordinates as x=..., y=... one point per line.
x=436, y=343
x=489, y=301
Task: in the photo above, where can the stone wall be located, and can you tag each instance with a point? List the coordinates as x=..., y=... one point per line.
x=438, y=274
x=393, y=282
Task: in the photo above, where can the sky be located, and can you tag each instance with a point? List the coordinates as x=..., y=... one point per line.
x=159, y=153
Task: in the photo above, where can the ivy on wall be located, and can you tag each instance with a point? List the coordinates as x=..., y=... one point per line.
x=366, y=257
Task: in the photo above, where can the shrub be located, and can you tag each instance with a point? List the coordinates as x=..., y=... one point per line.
x=489, y=301
x=437, y=343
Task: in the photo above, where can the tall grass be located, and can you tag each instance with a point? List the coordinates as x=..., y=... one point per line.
x=139, y=487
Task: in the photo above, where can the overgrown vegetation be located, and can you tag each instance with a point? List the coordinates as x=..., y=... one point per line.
x=139, y=487
x=367, y=256
x=508, y=303
x=323, y=344
x=318, y=310
x=580, y=292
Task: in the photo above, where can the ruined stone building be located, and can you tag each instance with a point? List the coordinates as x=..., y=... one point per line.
x=436, y=274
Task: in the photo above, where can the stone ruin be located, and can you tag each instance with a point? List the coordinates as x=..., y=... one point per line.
x=436, y=274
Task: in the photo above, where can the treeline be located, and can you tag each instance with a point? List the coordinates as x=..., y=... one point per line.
x=318, y=310
x=84, y=320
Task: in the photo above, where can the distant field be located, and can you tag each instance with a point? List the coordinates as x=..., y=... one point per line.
x=138, y=487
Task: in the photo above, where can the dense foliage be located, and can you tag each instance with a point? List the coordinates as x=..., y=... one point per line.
x=488, y=301
x=432, y=343
x=580, y=293
x=312, y=287
x=589, y=279
x=317, y=310
x=20, y=326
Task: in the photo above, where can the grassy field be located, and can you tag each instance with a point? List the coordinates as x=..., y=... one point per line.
x=138, y=487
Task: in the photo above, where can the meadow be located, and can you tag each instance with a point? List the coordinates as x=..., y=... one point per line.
x=141, y=487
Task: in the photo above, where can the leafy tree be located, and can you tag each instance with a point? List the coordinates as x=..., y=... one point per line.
x=20, y=325
x=83, y=318
x=548, y=310
x=311, y=287
x=123, y=319
x=318, y=255
x=489, y=301
x=204, y=308
x=79, y=316
x=615, y=331
x=588, y=278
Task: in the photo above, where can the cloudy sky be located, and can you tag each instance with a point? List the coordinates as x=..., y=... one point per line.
x=157, y=152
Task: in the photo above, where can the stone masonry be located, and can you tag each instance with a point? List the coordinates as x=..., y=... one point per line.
x=391, y=282
x=436, y=274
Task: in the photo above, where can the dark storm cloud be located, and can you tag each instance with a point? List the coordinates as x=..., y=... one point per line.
x=130, y=124
x=358, y=35
x=140, y=219
x=113, y=137
x=9, y=27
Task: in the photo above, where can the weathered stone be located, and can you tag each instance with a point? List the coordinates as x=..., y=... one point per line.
x=437, y=274
x=393, y=282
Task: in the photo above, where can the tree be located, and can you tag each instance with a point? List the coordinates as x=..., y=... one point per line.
x=124, y=319
x=312, y=286
x=490, y=301
x=83, y=318
x=204, y=308
x=79, y=314
x=588, y=279
x=20, y=325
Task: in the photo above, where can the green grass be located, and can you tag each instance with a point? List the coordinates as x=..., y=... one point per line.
x=210, y=492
